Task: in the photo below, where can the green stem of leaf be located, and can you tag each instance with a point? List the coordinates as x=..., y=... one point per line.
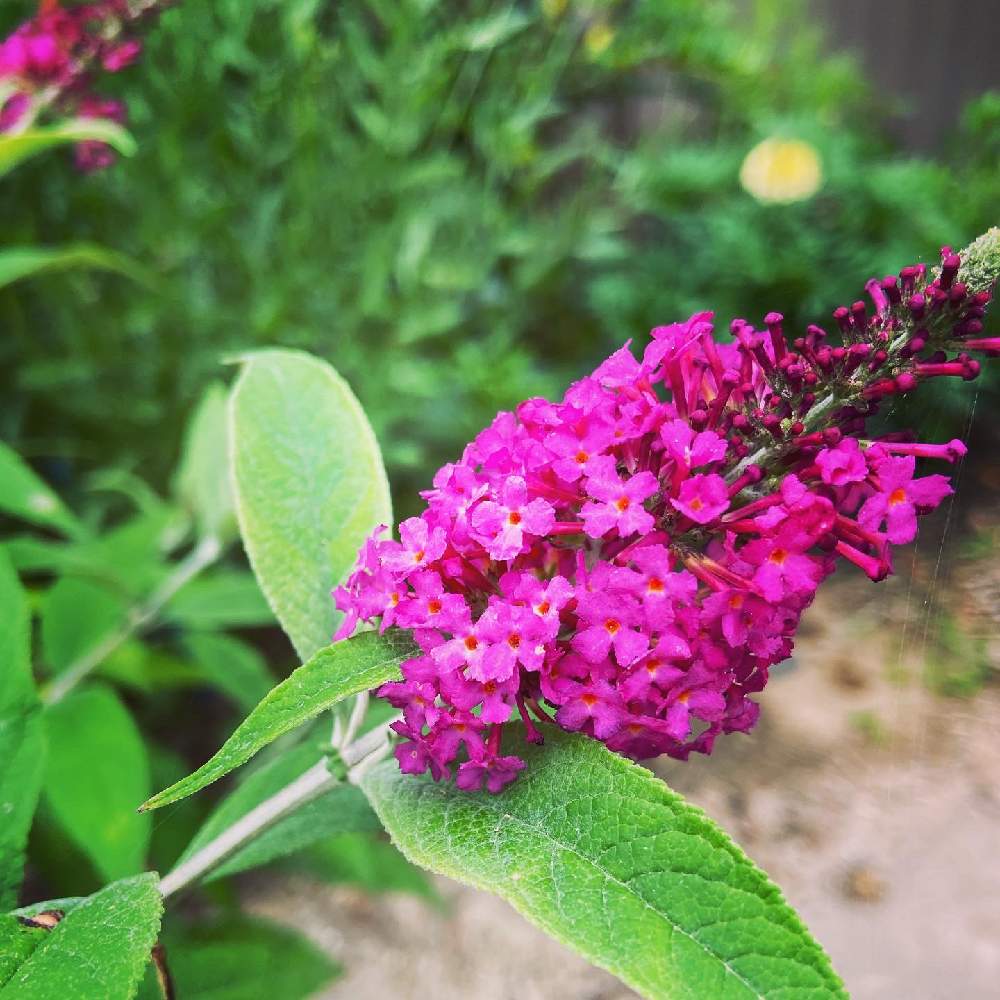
x=206, y=552
x=305, y=788
x=359, y=757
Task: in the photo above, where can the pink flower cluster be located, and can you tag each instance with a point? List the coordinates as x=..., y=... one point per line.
x=48, y=62
x=629, y=562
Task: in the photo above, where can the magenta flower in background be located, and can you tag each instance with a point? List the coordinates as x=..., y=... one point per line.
x=630, y=562
x=48, y=65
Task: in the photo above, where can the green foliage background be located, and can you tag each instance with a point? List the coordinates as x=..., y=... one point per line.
x=458, y=204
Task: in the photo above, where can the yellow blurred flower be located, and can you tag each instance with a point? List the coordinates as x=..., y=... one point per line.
x=598, y=37
x=782, y=170
x=554, y=9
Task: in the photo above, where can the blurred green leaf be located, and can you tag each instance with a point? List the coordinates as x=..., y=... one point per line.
x=15, y=149
x=343, y=809
x=99, y=949
x=96, y=776
x=147, y=668
x=234, y=667
x=489, y=32
x=22, y=747
x=600, y=854
x=17, y=263
x=132, y=556
x=333, y=674
x=364, y=860
x=202, y=479
x=309, y=482
x=24, y=495
x=77, y=616
x=220, y=599
x=236, y=958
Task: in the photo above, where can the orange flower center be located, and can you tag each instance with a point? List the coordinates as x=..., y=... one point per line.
x=778, y=556
x=582, y=457
x=897, y=497
x=622, y=503
x=418, y=556
x=612, y=625
x=471, y=643
x=513, y=517
x=434, y=607
x=590, y=700
x=655, y=585
x=544, y=608
x=513, y=640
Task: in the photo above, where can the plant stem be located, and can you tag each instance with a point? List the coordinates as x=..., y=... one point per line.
x=359, y=757
x=200, y=557
x=303, y=789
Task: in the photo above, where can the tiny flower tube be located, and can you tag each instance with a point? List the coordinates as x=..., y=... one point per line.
x=630, y=561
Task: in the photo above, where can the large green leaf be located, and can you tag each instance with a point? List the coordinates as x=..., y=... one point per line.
x=96, y=776
x=202, y=481
x=24, y=495
x=25, y=262
x=240, y=959
x=99, y=949
x=604, y=857
x=309, y=484
x=334, y=673
x=77, y=616
x=21, y=738
x=223, y=599
x=14, y=149
x=343, y=809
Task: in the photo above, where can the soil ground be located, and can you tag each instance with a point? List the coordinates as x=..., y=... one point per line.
x=872, y=799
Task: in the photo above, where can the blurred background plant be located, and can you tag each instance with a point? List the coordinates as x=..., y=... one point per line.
x=461, y=205
x=150, y=643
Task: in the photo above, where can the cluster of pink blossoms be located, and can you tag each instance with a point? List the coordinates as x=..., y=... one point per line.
x=48, y=63
x=633, y=559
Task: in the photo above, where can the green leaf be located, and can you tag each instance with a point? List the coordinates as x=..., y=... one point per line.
x=235, y=668
x=364, y=860
x=17, y=942
x=309, y=483
x=334, y=673
x=22, y=746
x=97, y=774
x=222, y=599
x=15, y=149
x=27, y=262
x=202, y=481
x=343, y=809
x=77, y=615
x=24, y=495
x=491, y=32
x=147, y=668
x=604, y=857
x=99, y=949
x=241, y=959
